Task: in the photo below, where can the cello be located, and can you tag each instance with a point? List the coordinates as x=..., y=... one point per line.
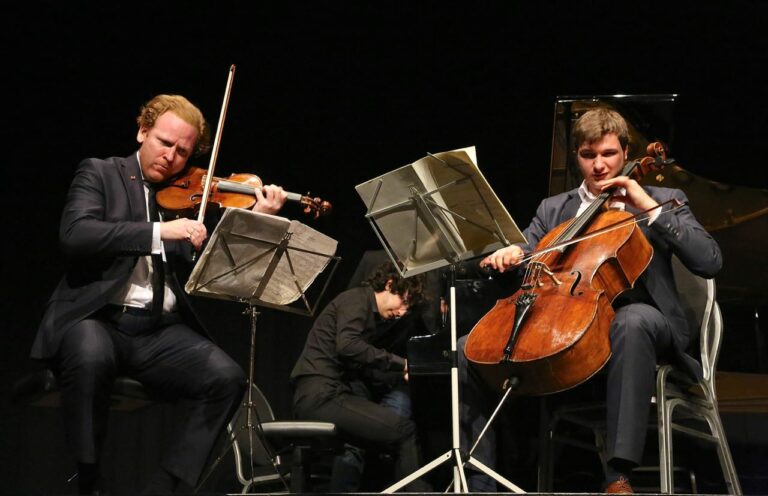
x=553, y=333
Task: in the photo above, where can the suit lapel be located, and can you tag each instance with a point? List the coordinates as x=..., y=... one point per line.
x=130, y=173
x=570, y=207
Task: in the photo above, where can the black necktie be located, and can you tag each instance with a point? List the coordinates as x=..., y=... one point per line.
x=158, y=274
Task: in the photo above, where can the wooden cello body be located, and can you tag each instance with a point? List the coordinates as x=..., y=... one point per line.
x=563, y=338
x=553, y=333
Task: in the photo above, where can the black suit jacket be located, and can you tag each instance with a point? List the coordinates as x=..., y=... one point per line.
x=103, y=231
x=677, y=233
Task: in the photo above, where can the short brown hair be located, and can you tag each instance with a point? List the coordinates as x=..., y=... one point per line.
x=183, y=108
x=595, y=124
x=413, y=285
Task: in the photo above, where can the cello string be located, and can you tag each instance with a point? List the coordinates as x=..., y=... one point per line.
x=640, y=216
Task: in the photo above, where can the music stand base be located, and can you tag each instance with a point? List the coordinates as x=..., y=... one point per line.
x=493, y=475
x=460, y=479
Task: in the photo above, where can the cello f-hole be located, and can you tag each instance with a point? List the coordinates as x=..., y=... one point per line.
x=576, y=283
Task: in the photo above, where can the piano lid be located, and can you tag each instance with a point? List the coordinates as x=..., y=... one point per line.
x=736, y=216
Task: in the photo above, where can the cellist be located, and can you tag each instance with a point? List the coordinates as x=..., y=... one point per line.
x=648, y=326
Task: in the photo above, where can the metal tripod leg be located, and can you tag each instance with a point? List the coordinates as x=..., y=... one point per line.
x=250, y=411
x=454, y=454
x=484, y=468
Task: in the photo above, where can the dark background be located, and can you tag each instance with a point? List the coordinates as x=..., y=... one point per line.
x=326, y=96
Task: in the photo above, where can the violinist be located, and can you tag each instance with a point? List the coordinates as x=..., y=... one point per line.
x=648, y=326
x=120, y=308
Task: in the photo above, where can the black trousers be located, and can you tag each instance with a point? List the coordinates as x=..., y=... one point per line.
x=361, y=422
x=640, y=337
x=173, y=362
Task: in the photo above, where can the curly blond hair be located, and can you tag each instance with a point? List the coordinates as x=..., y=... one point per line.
x=183, y=108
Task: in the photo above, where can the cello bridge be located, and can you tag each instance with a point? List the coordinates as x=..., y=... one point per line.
x=551, y=275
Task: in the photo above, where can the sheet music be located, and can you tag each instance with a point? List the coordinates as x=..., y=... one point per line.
x=284, y=286
x=433, y=173
x=464, y=217
x=244, y=246
x=472, y=198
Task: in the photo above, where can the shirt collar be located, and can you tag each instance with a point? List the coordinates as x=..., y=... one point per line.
x=372, y=298
x=584, y=193
x=141, y=171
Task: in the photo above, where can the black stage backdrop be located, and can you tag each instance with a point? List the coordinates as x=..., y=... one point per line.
x=327, y=95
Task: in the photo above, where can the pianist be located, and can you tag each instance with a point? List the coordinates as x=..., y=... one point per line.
x=340, y=353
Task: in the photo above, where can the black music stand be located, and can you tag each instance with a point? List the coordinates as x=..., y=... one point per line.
x=435, y=212
x=263, y=261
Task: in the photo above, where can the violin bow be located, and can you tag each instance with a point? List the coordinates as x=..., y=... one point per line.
x=216, y=142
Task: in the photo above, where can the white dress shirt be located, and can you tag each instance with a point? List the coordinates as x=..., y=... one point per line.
x=138, y=290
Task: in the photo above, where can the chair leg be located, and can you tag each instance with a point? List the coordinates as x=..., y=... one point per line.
x=717, y=436
x=724, y=453
x=546, y=431
x=666, y=471
x=299, y=472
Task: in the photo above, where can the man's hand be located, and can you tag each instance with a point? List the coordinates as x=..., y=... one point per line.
x=269, y=199
x=503, y=258
x=405, y=371
x=635, y=194
x=191, y=230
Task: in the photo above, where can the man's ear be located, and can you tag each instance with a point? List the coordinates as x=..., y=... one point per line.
x=388, y=285
x=142, y=134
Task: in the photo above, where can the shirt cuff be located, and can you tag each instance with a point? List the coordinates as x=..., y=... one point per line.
x=397, y=363
x=654, y=214
x=157, y=244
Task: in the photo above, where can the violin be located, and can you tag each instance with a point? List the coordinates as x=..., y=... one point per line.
x=183, y=196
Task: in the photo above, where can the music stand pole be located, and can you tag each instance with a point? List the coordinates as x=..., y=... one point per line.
x=459, y=477
x=250, y=412
x=250, y=406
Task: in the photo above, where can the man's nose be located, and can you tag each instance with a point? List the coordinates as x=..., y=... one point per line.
x=598, y=163
x=170, y=154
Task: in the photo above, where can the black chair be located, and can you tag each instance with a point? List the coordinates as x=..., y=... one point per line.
x=277, y=451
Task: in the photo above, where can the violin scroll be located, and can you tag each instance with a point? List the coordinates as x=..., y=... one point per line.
x=315, y=206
